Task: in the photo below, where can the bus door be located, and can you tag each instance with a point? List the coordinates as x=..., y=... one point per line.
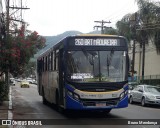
x=61, y=76
x=39, y=73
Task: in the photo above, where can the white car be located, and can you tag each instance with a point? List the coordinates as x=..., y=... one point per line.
x=12, y=81
x=145, y=94
x=34, y=81
x=29, y=80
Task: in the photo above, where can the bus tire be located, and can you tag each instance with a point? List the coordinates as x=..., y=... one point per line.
x=107, y=111
x=59, y=109
x=43, y=97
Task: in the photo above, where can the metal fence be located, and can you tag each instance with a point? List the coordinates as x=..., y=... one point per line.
x=149, y=79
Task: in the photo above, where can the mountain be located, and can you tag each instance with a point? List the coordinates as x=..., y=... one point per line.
x=51, y=40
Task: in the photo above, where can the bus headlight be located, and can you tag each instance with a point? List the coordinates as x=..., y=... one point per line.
x=73, y=95
x=70, y=93
x=123, y=94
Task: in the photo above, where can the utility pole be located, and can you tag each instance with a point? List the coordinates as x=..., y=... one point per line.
x=6, y=44
x=133, y=20
x=17, y=9
x=8, y=19
x=143, y=56
x=102, y=25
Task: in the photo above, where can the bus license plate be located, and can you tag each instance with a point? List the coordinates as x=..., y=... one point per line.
x=100, y=104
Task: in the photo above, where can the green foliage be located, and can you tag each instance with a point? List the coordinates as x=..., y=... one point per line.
x=111, y=31
x=146, y=26
x=3, y=91
x=18, y=50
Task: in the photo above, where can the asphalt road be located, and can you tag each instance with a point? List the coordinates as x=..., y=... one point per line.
x=27, y=104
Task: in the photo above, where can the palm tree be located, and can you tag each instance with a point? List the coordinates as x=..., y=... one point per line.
x=148, y=21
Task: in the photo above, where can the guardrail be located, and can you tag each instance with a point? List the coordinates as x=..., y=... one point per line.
x=149, y=79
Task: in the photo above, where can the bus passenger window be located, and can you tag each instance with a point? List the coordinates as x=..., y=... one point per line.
x=43, y=64
x=51, y=61
x=56, y=63
x=46, y=64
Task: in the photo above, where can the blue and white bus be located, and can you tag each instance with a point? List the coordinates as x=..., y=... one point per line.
x=85, y=72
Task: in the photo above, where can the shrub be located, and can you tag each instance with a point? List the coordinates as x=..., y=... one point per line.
x=3, y=91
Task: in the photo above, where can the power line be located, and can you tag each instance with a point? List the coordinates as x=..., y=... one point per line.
x=101, y=26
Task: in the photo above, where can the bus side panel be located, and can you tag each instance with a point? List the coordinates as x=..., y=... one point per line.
x=50, y=84
x=123, y=103
x=53, y=85
x=44, y=84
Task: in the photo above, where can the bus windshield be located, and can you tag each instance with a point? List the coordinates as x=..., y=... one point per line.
x=96, y=66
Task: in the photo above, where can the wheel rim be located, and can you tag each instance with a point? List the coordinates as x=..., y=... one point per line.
x=130, y=100
x=143, y=102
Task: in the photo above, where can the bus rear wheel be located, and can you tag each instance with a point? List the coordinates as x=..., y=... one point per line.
x=59, y=108
x=43, y=98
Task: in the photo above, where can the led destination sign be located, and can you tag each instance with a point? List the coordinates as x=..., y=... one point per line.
x=96, y=42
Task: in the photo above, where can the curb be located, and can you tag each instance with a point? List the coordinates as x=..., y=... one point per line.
x=10, y=113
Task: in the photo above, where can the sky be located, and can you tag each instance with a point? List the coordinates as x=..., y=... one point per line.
x=53, y=17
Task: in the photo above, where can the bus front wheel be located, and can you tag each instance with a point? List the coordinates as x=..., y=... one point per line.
x=107, y=111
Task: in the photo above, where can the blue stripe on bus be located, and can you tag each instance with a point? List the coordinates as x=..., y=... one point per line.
x=74, y=104
x=123, y=103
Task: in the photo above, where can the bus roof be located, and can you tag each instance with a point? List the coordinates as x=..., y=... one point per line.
x=81, y=35
x=99, y=35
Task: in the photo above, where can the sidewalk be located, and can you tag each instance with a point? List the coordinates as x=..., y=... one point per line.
x=4, y=107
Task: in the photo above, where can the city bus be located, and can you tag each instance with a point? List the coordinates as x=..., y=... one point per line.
x=85, y=72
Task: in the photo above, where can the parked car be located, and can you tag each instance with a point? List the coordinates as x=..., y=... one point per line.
x=29, y=80
x=18, y=80
x=131, y=86
x=145, y=94
x=34, y=81
x=24, y=83
x=12, y=81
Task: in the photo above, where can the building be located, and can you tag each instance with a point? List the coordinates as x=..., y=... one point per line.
x=152, y=62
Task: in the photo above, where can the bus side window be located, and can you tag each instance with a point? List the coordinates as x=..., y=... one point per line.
x=46, y=64
x=52, y=61
x=56, y=62
x=43, y=64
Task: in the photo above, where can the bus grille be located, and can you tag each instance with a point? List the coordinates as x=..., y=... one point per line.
x=93, y=102
x=158, y=97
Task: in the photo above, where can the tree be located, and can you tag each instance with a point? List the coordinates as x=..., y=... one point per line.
x=148, y=22
x=123, y=27
x=111, y=31
x=20, y=48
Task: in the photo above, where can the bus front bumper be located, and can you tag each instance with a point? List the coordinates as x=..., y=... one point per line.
x=95, y=105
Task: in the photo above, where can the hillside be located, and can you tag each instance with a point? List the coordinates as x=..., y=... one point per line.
x=51, y=40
